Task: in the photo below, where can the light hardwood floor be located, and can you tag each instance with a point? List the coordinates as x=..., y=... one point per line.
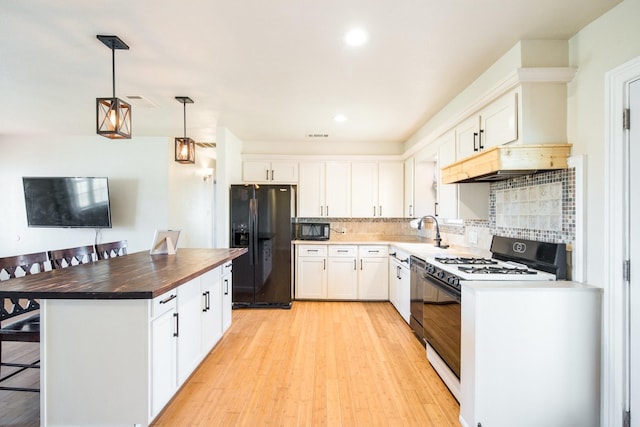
x=320, y=363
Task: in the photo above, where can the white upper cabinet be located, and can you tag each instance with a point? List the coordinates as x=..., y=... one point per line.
x=377, y=189
x=324, y=189
x=264, y=171
x=409, y=190
x=311, y=189
x=364, y=190
x=390, y=189
x=338, y=189
x=496, y=124
x=466, y=201
x=447, y=193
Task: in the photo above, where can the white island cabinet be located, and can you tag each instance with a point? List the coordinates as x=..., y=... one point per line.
x=530, y=354
x=119, y=336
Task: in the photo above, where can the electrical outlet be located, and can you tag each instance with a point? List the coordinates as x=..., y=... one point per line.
x=473, y=237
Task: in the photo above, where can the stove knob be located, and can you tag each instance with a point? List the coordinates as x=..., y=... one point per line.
x=453, y=280
x=440, y=274
x=430, y=269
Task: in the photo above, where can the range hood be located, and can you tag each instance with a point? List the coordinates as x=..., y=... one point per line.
x=507, y=161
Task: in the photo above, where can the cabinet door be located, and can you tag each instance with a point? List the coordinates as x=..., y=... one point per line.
x=373, y=279
x=390, y=189
x=342, y=280
x=467, y=134
x=311, y=189
x=189, y=328
x=426, y=180
x=404, y=293
x=163, y=361
x=284, y=172
x=311, y=278
x=364, y=190
x=211, y=309
x=499, y=122
x=409, y=188
x=256, y=171
x=447, y=193
x=394, y=282
x=227, y=304
x=338, y=189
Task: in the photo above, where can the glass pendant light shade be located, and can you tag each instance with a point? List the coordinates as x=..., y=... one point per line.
x=185, y=150
x=114, y=118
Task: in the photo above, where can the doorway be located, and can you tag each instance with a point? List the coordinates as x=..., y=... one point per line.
x=621, y=320
x=634, y=247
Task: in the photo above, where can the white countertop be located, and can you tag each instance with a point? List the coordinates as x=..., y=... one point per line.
x=520, y=285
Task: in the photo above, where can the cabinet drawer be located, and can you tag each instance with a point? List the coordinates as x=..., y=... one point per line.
x=350, y=251
x=164, y=303
x=312, y=250
x=372, y=251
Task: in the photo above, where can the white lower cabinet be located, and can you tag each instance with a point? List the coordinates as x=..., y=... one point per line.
x=342, y=272
x=530, y=355
x=189, y=328
x=342, y=282
x=226, y=295
x=399, y=286
x=311, y=272
x=185, y=325
x=163, y=352
x=211, y=295
x=373, y=277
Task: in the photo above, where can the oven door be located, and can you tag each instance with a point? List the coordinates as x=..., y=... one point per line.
x=417, y=291
x=442, y=321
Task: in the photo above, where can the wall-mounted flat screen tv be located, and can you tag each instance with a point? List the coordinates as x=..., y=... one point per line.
x=68, y=202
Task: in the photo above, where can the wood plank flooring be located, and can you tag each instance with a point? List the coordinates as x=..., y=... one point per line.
x=320, y=363
x=20, y=409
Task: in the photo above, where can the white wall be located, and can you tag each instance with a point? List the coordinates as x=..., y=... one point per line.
x=191, y=200
x=137, y=172
x=606, y=43
x=229, y=161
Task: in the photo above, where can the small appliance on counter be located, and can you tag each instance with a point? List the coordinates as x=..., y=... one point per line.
x=311, y=231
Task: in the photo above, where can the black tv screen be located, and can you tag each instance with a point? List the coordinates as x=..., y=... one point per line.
x=67, y=202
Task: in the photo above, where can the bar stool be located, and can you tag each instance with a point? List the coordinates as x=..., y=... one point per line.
x=112, y=249
x=24, y=327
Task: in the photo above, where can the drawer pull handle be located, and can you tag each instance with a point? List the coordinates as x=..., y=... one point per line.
x=169, y=298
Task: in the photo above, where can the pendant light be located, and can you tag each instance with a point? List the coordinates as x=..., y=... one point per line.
x=113, y=114
x=185, y=147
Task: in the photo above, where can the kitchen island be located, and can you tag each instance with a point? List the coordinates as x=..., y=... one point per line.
x=120, y=336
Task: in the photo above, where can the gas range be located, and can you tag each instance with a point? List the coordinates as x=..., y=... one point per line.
x=453, y=270
x=512, y=259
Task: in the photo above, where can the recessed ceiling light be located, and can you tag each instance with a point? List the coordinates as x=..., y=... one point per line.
x=340, y=118
x=356, y=37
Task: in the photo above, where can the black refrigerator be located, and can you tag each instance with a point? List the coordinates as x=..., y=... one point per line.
x=261, y=222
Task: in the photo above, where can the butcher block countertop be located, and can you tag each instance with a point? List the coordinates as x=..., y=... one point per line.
x=134, y=276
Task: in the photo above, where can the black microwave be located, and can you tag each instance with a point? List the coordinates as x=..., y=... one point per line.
x=311, y=231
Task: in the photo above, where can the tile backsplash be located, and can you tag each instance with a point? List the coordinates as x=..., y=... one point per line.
x=536, y=207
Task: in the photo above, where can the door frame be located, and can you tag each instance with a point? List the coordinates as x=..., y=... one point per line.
x=615, y=398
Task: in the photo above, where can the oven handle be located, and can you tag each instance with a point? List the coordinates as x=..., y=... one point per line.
x=447, y=290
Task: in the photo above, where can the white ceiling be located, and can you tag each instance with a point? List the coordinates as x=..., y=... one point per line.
x=268, y=70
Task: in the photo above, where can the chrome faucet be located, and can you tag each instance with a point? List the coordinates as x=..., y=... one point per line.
x=435, y=221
